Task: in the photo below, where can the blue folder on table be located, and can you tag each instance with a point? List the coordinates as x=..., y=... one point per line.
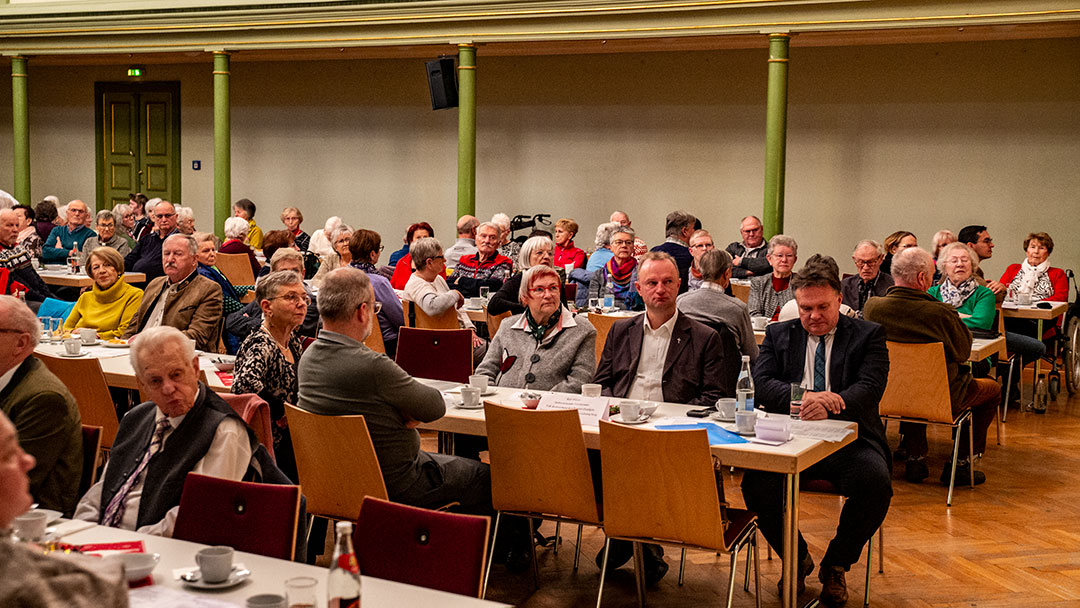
x=718, y=435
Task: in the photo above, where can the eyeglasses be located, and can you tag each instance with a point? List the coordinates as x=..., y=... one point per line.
x=784, y=256
x=751, y=230
x=162, y=216
x=622, y=242
x=539, y=291
x=865, y=263
x=377, y=306
x=293, y=299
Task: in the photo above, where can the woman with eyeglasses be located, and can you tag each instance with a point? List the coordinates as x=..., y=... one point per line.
x=546, y=347
x=770, y=292
x=365, y=247
x=536, y=250
x=267, y=360
x=619, y=273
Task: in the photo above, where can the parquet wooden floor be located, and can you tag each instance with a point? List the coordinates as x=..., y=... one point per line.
x=1013, y=541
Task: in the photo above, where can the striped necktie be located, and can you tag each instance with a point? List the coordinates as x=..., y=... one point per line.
x=819, y=365
x=114, y=513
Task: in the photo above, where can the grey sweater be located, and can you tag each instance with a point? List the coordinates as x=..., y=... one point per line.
x=564, y=361
x=339, y=376
x=710, y=305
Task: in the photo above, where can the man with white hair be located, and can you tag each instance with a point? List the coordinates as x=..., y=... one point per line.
x=486, y=268
x=106, y=236
x=748, y=255
x=507, y=248
x=182, y=298
x=146, y=257
x=182, y=428
x=870, y=281
x=62, y=240
x=911, y=315
x=41, y=408
x=466, y=241
x=15, y=259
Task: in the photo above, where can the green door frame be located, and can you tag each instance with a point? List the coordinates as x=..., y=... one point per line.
x=100, y=89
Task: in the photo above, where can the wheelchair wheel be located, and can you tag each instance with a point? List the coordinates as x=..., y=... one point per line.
x=1054, y=387
x=1072, y=355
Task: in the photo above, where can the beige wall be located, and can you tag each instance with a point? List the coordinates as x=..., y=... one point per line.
x=918, y=137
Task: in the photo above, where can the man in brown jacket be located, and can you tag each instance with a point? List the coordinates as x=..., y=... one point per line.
x=910, y=315
x=41, y=408
x=182, y=298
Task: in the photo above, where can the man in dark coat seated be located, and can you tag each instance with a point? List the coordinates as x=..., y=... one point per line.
x=844, y=364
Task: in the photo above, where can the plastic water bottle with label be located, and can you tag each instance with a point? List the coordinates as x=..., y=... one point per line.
x=609, y=298
x=744, y=387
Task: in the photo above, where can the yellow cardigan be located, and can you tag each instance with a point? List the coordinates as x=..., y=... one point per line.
x=109, y=311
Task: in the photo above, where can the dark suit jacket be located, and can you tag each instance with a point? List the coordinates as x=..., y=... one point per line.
x=858, y=372
x=692, y=369
x=194, y=309
x=849, y=288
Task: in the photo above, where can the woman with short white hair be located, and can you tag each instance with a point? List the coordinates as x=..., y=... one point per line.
x=536, y=250
x=961, y=290
x=236, y=231
x=510, y=249
x=341, y=255
x=603, y=251
x=320, y=239
x=770, y=292
x=185, y=220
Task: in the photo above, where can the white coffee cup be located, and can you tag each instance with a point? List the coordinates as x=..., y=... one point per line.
x=630, y=411
x=759, y=322
x=31, y=525
x=569, y=267
x=476, y=302
x=215, y=563
x=479, y=381
x=72, y=346
x=88, y=335
x=725, y=406
x=591, y=390
x=745, y=421
x=470, y=396
x=266, y=600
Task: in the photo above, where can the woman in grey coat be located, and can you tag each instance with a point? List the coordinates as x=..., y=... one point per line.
x=546, y=347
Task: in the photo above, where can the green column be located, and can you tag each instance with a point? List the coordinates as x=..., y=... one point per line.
x=776, y=135
x=222, y=150
x=20, y=130
x=466, y=181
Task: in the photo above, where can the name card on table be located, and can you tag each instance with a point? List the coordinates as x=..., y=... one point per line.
x=591, y=410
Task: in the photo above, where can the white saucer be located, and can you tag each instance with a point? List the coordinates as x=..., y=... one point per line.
x=115, y=345
x=461, y=406
x=51, y=515
x=194, y=579
x=744, y=434
x=619, y=420
x=717, y=417
x=67, y=356
x=470, y=309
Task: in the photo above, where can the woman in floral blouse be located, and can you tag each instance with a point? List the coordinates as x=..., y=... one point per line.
x=266, y=363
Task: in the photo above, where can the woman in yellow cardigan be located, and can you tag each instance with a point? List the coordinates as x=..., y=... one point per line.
x=111, y=304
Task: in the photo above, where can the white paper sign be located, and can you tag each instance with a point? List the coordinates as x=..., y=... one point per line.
x=591, y=409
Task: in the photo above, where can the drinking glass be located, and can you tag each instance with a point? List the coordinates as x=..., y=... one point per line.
x=484, y=291
x=300, y=592
x=56, y=330
x=594, y=304
x=797, y=394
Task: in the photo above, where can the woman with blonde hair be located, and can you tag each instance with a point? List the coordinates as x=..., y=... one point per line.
x=110, y=304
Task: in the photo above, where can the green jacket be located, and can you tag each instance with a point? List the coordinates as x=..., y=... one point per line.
x=981, y=305
x=49, y=426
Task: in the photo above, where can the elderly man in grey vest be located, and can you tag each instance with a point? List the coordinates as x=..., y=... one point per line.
x=184, y=427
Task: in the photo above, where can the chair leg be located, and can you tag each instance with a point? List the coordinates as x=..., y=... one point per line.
x=555, y=543
x=757, y=567
x=532, y=547
x=603, y=571
x=731, y=576
x=952, y=475
x=491, y=554
x=639, y=573
x=869, y=555
x=881, y=549
x=682, y=565
x=751, y=553
x=1008, y=390
x=577, y=548
x=971, y=450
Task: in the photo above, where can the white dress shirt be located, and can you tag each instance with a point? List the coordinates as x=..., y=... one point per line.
x=811, y=351
x=648, y=382
x=158, y=311
x=228, y=457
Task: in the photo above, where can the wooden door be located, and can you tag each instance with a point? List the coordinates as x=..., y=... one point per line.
x=138, y=141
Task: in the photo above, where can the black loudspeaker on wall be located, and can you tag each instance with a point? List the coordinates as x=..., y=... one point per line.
x=442, y=83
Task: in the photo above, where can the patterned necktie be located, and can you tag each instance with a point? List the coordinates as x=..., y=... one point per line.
x=114, y=513
x=819, y=365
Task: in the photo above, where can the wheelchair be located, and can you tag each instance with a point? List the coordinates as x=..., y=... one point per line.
x=1065, y=357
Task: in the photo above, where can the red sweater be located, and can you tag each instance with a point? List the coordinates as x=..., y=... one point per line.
x=569, y=254
x=402, y=272
x=1057, y=280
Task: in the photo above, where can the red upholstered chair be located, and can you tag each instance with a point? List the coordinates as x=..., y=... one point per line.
x=433, y=549
x=436, y=354
x=256, y=413
x=254, y=517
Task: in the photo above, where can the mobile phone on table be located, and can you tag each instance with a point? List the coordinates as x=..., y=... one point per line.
x=702, y=413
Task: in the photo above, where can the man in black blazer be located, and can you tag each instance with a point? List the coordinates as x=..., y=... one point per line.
x=844, y=363
x=636, y=364
x=870, y=281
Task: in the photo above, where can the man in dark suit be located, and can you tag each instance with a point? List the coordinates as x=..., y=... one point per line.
x=870, y=281
x=660, y=356
x=844, y=364
x=677, y=230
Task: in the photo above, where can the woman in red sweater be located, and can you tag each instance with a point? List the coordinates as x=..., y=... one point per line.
x=1036, y=277
x=565, y=252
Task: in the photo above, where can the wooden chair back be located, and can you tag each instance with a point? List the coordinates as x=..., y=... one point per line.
x=603, y=324
x=539, y=464
x=374, y=340
x=678, y=479
x=336, y=462
x=416, y=317
x=91, y=451
x=84, y=378
x=918, y=385
x=236, y=267
x=741, y=291
x=494, y=321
